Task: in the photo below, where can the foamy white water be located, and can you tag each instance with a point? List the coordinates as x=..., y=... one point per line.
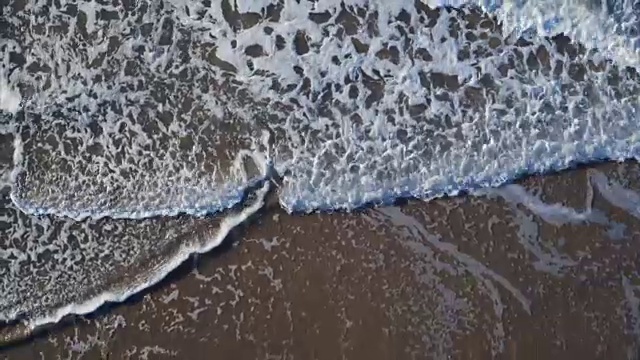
x=609, y=26
x=9, y=98
x=43, y=257
x=179, y=106
x=500, y=114
x=136, y=117
x=159, y=272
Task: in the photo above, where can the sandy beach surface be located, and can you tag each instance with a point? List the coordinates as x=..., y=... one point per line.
x=472, y=277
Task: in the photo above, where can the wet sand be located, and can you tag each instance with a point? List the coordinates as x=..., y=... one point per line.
x=466, y=278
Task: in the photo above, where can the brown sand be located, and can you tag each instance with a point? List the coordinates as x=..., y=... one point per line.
x=374, y=285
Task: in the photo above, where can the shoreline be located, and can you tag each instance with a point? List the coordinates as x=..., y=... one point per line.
x=410, y=249
x=10, y=334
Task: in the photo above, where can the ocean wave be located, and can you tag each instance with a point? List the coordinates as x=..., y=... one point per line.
x=352, y=103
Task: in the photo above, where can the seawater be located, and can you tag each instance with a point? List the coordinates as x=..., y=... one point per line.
x=178, y=107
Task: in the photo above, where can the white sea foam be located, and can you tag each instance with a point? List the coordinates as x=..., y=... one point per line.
x=527, y=120
x=616, y=194
x=161, y=271
x=422, y=138
x=89, y=255
x=9, y=97
x=609, y=26
x=556, y=214
x=102, y=260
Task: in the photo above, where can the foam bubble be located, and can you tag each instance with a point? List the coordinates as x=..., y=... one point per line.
x=9, y=97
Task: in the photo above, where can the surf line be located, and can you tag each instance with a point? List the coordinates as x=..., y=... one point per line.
x=253, y=201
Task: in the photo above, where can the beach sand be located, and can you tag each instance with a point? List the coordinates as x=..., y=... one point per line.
x=470, y=277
